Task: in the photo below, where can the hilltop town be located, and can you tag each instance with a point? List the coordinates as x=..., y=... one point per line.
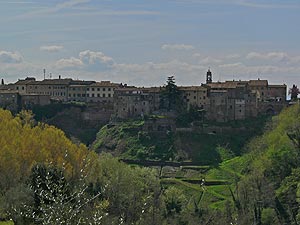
x=221, y=101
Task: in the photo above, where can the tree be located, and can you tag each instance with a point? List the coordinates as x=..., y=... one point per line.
x=59, y=201
x=171, y=97
x=294, y=91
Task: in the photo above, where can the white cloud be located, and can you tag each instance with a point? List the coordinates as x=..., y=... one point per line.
x=177, y=47
x=69, y=63
x=232, y=56
x=97, y=65
x=231, y=65
x=70, y=3
x=210, y=61
x=197, y=55
x=50, y=10
x=10, y=57
x=86, y=59
x=51, y=48
x=277, y=56
x=90, y=57
x=253, y=4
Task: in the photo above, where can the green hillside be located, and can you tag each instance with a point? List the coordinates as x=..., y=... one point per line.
x=128, y=140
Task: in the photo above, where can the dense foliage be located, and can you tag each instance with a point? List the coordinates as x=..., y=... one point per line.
x=45, y=178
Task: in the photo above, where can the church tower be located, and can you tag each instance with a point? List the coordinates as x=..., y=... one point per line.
x=208, y=77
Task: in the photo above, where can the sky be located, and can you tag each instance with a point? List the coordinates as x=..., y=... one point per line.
x=142, y=42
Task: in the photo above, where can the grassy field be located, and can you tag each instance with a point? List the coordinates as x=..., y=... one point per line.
x=215, y=193
x=6, y=223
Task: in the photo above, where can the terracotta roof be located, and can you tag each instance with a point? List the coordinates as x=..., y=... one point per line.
x=7, y=87
x=55, y=81
x=258, y=82
x=8, y=92
x=105, y=84
x=277, y=86
x=81, y=82
x=192, y=88
x=223, y=85
x=24, y=82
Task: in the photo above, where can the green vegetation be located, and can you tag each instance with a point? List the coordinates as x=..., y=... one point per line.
x=129, y=141
x=67, y=116
x=171, y=98
x=45, y=177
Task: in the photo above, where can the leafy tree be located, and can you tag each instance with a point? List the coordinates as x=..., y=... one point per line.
x=294, y=91
x=57, y=202
x=171, y=96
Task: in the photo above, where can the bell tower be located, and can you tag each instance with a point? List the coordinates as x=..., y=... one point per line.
x=208, y=77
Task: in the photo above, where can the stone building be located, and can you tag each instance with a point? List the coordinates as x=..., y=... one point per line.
x=101, y=91
x=77, y=90
x=134, y=102
x=21, y=86
x=195, y=96
x=237, y=100
x=9, y=99
x=29, y=100
x=56, y=88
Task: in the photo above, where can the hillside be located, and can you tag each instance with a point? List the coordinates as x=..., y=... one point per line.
x=69, y=118
x=259, y=184
x=130, y=141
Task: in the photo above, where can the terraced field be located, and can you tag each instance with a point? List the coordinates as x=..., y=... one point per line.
x=212, y=187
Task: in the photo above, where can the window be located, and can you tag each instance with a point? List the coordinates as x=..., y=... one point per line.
x=23, y=88
x=98, y=95
x=109, y=89
x=93, y=89
x=87, y=89
x=109, y=95
x=194, y=97
x=74, y=95
x=87, y=95
x=103, y=89
x=93, y=95
x=17, y=88
x=98, y=89
x=103, y=95
x=78, y=95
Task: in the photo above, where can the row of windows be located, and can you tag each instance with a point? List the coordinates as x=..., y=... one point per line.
x=90, y=95
x=50, y=93
x=98, y=89
x=195, y=97
x=7, y=97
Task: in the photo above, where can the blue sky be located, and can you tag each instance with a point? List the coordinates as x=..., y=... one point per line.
x=141, y=42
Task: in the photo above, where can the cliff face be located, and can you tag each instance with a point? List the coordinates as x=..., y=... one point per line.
x=130, y=140
x=79, y=122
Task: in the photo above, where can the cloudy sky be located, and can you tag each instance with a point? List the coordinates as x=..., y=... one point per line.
x=141, y=42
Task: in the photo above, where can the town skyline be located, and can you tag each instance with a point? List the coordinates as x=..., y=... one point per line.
x=141, y=43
